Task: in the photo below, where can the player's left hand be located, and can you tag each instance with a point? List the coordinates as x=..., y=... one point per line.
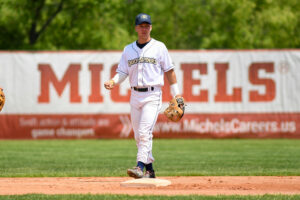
x=2, y=99
x=109, y=84
x=176, y=108
x=180, y=101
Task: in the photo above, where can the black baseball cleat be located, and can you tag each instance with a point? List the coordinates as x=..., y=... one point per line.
x=135, y=172
x=149, y=174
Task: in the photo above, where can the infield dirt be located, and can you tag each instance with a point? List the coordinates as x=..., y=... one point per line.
x=199, y=185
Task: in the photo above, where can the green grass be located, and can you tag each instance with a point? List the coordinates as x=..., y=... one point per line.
x=125, y=197
x=58, y=158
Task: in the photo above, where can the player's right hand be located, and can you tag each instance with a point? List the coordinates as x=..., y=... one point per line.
x=109, y=84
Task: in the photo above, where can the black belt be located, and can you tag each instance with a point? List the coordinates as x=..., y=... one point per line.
x=146, y=89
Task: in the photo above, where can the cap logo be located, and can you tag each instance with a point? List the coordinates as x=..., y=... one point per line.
x=144, y=17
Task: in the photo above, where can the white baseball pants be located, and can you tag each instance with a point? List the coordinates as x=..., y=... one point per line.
x=145, y=107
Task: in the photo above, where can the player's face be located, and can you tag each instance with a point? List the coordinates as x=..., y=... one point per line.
x=143, y=30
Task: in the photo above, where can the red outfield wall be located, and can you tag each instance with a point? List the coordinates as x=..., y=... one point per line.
x=242, y=94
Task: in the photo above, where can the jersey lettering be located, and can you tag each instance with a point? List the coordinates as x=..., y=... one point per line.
x=142, y=60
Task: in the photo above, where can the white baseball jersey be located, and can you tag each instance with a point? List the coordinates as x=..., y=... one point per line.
x=146, y=66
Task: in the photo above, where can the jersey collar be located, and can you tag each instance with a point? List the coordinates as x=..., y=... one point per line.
x=136, y=48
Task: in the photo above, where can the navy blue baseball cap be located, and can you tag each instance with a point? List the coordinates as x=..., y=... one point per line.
x=142, y=18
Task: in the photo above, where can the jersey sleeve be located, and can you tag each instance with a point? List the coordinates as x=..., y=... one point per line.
x=123, y=64
x=166, y=60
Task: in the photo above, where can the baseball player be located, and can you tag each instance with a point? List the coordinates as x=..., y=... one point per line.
x=145, y=62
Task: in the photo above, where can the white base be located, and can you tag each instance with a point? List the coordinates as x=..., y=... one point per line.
x=146, y=182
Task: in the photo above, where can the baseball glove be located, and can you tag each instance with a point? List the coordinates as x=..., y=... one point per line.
x=2, y=99
x=175, y=111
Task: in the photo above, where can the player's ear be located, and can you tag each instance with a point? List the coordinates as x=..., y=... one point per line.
x=135, y=28
x=150, y=27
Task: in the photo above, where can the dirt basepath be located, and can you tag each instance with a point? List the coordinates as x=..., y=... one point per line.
x=201, y=185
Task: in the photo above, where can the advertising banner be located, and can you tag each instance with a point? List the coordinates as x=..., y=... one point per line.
x=229, y=94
